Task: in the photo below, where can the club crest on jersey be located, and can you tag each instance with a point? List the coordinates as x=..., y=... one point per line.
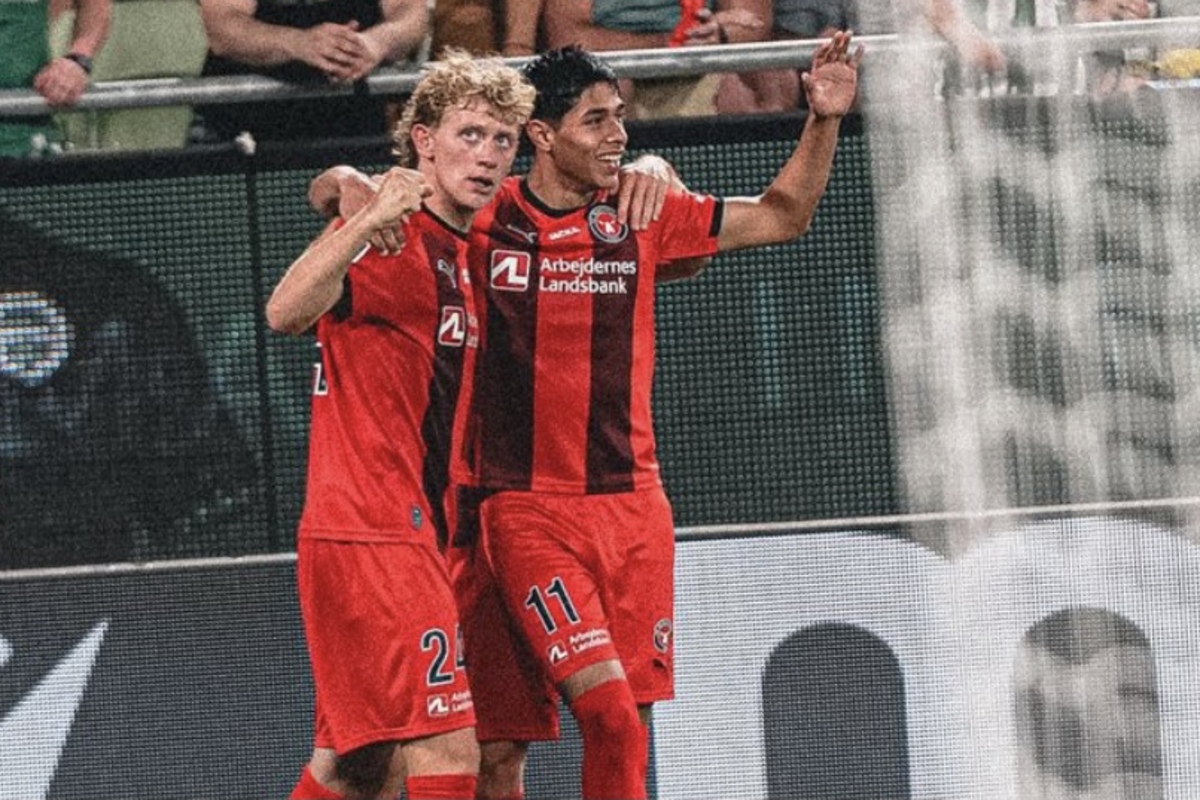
x=662, y=635
x=452, y=329
x=510, y=270
x=602, y=222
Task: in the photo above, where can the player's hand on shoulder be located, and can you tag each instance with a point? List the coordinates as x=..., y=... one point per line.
x=645, y=183
x=832, y=82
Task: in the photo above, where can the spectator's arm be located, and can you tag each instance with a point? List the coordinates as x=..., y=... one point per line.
x=234, y=33
x=63, y=81
x=92, y=18
x=521, y=21
x=404, y=27
x=949, y=21
x=570, y=22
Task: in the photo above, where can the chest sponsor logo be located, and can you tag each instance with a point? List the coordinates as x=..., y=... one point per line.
x=586, y=276
x=602, y=222
x=510, y=270
x=452, y=330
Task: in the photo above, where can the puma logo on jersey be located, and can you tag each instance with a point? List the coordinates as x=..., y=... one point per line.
x=528, y=236
x=510, y=270
x=448, y=270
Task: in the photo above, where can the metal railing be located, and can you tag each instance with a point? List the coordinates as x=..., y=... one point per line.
x=1027, y=44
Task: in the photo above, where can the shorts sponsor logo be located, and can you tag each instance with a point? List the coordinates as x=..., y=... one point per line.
x=596, y=637
x=461, y=702
x=510, y=270
x=416, y=517
x=557, y=653
x=602, y=222
x=437, y=705
x=662, y=635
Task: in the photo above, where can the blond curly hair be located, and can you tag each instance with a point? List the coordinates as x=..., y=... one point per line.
x=455, y=81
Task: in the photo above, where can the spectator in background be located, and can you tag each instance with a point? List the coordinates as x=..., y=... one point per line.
x=25, y=63
x=1106, y=72
x=328, y=41
x=507, y=27
x=779, y=90
x=600, y=25
x=471, y=25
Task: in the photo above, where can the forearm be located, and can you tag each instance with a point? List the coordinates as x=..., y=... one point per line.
x=786, y=209
x=92, y=19
x=569, y=22
x=521, y=26
x=313, y=283
x=326, y=191
x=949, y=21
x=403, y=30
x=239, y=36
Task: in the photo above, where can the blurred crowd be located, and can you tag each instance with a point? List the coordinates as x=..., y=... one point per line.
x=57, y=47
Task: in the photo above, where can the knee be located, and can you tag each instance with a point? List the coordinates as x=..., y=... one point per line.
x=611, y=714
x=367, y=770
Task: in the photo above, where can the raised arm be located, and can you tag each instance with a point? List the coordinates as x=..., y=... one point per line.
x=313, y=283
x=786, y=209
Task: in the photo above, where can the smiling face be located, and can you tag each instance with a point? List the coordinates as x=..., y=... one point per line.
x=582, y=153
x=465, y=157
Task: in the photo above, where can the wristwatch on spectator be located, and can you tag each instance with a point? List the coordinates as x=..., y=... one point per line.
x=85, y=62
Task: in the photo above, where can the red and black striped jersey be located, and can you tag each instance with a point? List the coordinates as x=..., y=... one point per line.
x=395, y=354
x=561, y=399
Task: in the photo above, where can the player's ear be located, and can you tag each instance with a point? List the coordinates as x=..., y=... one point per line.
x=422, y=141
x=540, y=133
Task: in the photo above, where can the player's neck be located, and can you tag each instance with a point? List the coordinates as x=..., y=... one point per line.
x=555, y=190
x=449, y=213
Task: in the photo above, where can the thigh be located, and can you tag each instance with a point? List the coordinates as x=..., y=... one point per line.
x=639, y=591
x=542, y=550
x=514, y=700
x=382, y=633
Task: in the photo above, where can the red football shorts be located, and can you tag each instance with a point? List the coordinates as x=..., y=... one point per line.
x=556, y=583
x=383, y=639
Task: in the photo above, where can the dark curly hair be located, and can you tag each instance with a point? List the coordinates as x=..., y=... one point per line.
x=561, y=77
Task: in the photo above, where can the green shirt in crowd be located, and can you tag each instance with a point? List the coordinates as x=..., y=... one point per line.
x=24, y=49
